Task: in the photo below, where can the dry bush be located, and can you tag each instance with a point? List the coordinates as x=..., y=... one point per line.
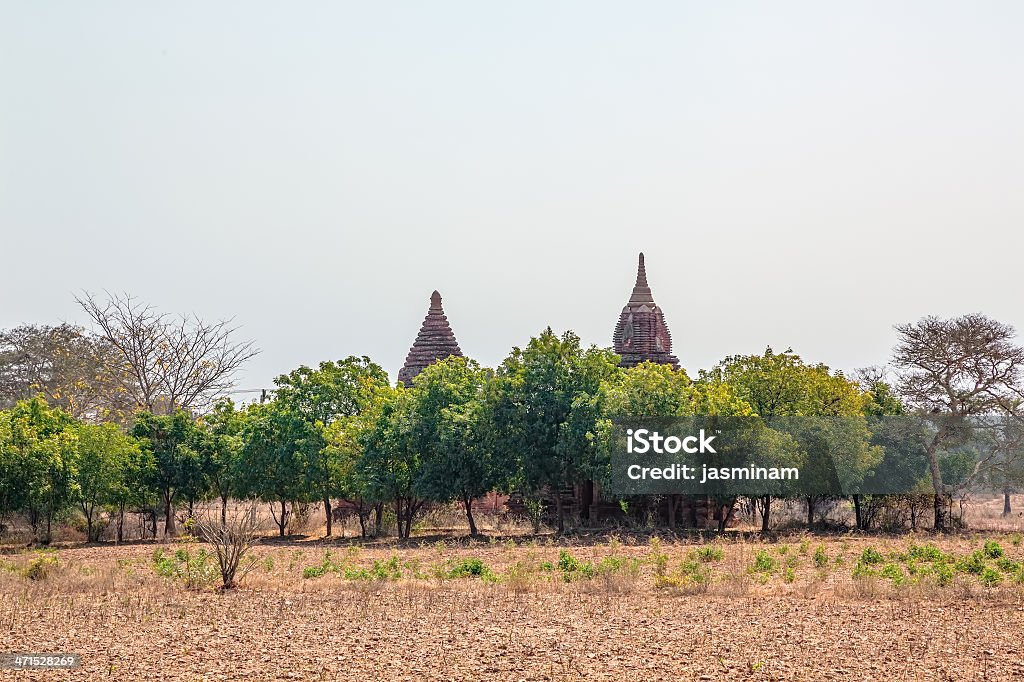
x=231, y=541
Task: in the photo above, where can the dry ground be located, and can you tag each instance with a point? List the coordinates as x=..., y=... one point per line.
x=814, y=623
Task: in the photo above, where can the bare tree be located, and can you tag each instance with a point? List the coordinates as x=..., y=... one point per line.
x=166, y=363
x=232, y=538
x=957, y=369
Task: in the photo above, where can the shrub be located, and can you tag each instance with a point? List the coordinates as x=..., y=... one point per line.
x=194, y=569
x=974, y=563
x=871, y=556
x=928, y=552
x=990, y=577
x=709, y=553
x=472, y=568
x=764, y=563
x=820, y=557
x=574, y=569
x=993, y=550
x=41, y=567
x=893, y=572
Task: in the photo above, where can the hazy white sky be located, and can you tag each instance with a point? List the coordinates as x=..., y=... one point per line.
x=801, y=174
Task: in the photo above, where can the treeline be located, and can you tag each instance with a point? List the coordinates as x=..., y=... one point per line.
x=342, y=436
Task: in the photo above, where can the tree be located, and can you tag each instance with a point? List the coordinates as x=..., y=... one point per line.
x=65, y=365
x=389, y=468
x=447, y=427
x=42, y=450
x=180, y=470
x=548, y=404
x=334, y=391
x=105, y=454
x=221, y=445
x=955, y=370
x=780, y=387
x=231, y=541
x=166, y=364
x=651, y=390
x=275, y=445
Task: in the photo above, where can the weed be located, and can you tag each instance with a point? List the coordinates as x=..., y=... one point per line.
x=820, y=557
x=871, y=556
x=709, y=553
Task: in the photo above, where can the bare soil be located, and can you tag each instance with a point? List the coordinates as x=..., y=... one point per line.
x=109, y=604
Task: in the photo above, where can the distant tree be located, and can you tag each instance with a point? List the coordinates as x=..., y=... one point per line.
x=955, y=370
x=180, y=468
x=65, y=365
x=105, y=454
x=548, y=403
x=334, y=391
x=779, y=387
x=221, y=446
x=275, y=450
x=390, y=466
x=41, y=462
x=447, y=429
x=166, y=364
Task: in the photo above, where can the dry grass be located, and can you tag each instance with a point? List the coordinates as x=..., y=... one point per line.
x=714, y=617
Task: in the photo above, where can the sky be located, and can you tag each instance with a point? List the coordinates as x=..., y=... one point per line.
x=798, y=174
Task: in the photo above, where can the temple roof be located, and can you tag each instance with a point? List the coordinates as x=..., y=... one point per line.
x=641, y=334
x=435, y=341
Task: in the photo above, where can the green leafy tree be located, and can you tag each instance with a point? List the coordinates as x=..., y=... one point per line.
x=448, y=433
x=334, y=391
x=180, y=468
x=275, y=451
x=105, y=453
x=43, y=452
x=836, y=453
x=548, y=405
x=221, y=444
x=389, y=468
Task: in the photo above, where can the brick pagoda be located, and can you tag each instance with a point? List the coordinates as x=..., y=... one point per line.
x=641, y=333
x=436, y=341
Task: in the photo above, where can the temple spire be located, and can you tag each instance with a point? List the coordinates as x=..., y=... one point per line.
x=641, y=273
x=642, y=334
x=435, y=341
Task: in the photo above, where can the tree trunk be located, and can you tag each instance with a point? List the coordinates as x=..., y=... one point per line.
x=857, y=513
x=378, y=517
x=766, y=513
x=169, y=528
x=1006, y=503
x=327, y=510
x=120, y=522
x=223, y=510
x=468, y=502
x=940, y=513
x=560, y=512
x=936, y=475
x=810, y=511
x=88, y=523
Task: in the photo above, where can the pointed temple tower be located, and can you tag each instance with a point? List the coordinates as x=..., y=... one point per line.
x=642, y=334
x=434, y=342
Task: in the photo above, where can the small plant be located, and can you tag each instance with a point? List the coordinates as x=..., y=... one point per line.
x=928, y=552
x=326, y=566
x=894, y=572
x=871, y=556
x=41, y=567
x=1016, y=539
x=820, y=557
x=470, y=568
x=709, y=553
x=386, y=570
x=789, y=575
x=974, y=563
x=574, y=569
x=764, y=564
x=993, y=550
x=990, y=577
x=1008, y=565
x=193, y=569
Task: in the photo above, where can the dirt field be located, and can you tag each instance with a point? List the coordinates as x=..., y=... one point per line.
x=605, y=607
